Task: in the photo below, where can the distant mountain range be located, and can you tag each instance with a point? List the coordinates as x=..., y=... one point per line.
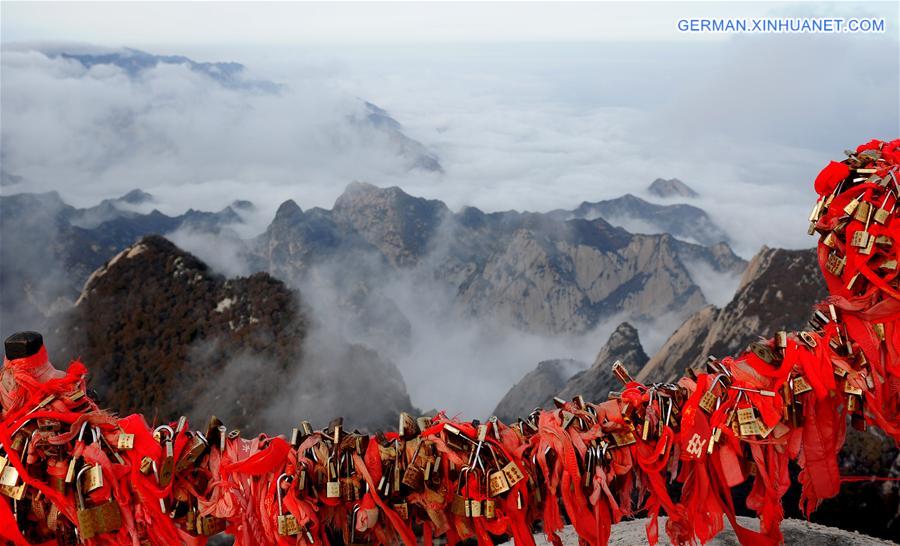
x=134, y=62
x=543, y=272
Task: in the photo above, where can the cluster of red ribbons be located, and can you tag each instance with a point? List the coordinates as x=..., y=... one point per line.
x=70, y=471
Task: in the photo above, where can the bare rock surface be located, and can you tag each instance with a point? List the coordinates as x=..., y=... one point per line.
x=796, y=533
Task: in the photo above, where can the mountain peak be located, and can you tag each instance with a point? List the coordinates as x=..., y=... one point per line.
x=287, y=210
x=671, y=188
x=399, y=225
x=623, y=344
x=136, y=197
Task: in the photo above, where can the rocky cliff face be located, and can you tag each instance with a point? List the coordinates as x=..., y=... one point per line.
x=162, y=334
x=777, y=292
x=569, y=378
x=596, y=382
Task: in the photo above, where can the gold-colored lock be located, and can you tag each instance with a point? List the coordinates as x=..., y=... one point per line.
x=623, y=438
x=708, y=402
x=799, y=385
x=861, y=214
x=414, y=475
x=402, y=509
x=93, y=479
x=750, y=429
x=834, y=264
x=490, y=509
x=851, y=388
x=867, y=250
x=125, y=441
x=746, y=415
x=621, y=372
x=333, y=489
x=497, y=482
x=475, y=508
x=860, y=238
x=166, y=436
x=9, y=477
x=210, y=525
x=850, y=208
x=197, y=447
x=287, y=523
x=513, y=474
x=96, y=520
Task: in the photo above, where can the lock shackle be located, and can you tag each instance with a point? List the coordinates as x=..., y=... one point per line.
x=494, y=455
x=79, y=494
x=716, y=380
x=464, y=471
x=32, y=441
x=84, y=426
x=164, y=428
x=278, y=492
x=353, y=515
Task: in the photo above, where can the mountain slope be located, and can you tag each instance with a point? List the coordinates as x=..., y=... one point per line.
x=776, y=292
x=49, y=247
x=162, y=334
x=569, y=378
x=596, y=382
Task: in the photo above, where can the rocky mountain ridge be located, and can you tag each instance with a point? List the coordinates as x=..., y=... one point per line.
x=535, y=271
x=163, y=334
x=777, y=291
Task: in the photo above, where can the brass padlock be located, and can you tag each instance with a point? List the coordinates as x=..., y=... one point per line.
x=210, y=525
x=195, y=449
x=746, y=415
x=332, y=485
x=402, y=509
x=799, y=385
x=834, y=264
x=497, y=483
x=414, y=475
x=459, y=506
x=125, y=441
x=9, y=478
x=96, y=520
x=286, y=523
x=870, y=245
x=166, y=436
x=513, y=473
